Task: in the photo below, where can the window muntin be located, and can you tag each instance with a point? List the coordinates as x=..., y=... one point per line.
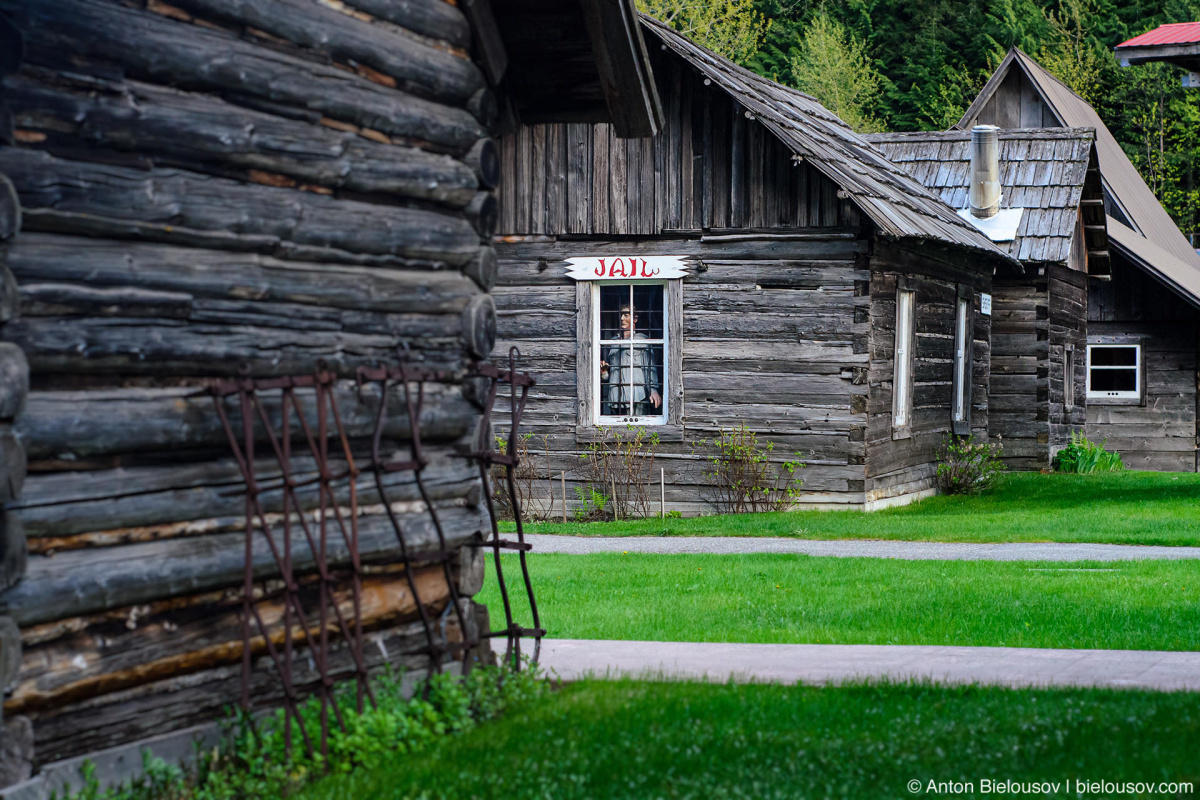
x=961, y=360
x=902, y=375
x=631, y=346
x=1114, y=371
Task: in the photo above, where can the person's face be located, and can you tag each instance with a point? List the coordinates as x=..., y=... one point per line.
x=628, y=320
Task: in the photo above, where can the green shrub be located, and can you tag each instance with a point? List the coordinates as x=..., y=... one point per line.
x=744, y=478
x=252, y=762
x=967, y=466
x=1082, y=456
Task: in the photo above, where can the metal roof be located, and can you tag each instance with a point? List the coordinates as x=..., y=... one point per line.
x=1042, y=170
x=1179, y=277
x=892, y=199
x=1171, y=33
x=1123, y=184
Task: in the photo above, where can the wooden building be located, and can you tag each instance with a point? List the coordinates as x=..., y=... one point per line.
x=210, y=189
x=1039, y=327
x=1146, y=316
x=783, y=242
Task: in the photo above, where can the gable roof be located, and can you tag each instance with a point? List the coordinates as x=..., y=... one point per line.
x=1174, y=274
x=892, y=199
x=1123, y=184
x=1170, y=33
x=1042, y=170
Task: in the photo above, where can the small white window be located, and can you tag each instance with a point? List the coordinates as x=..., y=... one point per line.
x=902, y=376
x=1114, y=372
x=961, y=359
x=631, y=338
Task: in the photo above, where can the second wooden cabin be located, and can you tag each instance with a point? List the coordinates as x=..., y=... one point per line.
x=750, y=265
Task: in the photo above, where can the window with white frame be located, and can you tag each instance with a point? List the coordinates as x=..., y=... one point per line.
x=1069, y=376
x=962, y=360
x=1114, y=372
x=902, y=375
x=630, y=338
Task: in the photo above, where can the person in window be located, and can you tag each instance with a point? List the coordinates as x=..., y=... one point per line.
x=628, y=373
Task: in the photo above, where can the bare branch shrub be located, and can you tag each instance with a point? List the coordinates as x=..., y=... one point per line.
x=744, y=479
x=617, y=468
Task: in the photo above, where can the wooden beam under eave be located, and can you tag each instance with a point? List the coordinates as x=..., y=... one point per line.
x=624, y=67
x=493, y=56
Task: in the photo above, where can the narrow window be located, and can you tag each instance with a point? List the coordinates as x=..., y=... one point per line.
x=962, y=359
x=1069, y=377
x=902, y=380
x=1114, y=372
x=630, y=341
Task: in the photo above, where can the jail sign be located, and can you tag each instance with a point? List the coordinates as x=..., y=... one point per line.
x=626, y=268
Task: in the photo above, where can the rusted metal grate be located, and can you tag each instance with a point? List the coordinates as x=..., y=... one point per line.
x=314, y=621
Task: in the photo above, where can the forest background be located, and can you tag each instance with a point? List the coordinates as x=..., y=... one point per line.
x=907, y=65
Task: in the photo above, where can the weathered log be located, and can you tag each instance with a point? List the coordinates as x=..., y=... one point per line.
x=80, y=424
x=10, y=654
x=435, y=20
x=479, y=325
x=484, y=158
x=10, y=295
x=484, y=268
x=99, y=263
x=108, y=507
x=483, y=212
x=169, y=705
x=132, y=346
x=10, y=208
x=484, y=107
x=14, y=380
x=131, y=647
x=82, y=582
x=471, y=564
x=416, y=66
x=172, y=124
x=16, y=751
x=13, y=555
x=198, y=57
x=12, y=465
x=196, y=209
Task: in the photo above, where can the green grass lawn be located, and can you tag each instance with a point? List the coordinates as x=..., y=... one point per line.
x=646, y=740
x=1120, y=508
x=1136, y=605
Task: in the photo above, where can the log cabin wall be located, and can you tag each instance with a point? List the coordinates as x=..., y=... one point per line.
x=1159, y=433
x=1020, y=389
x=1067, y=293
x=904, y=467
x=208, y=185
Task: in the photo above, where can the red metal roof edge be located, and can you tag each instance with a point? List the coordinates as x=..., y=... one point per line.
x=1170, y=33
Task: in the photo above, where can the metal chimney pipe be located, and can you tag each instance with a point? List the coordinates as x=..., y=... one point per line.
x=985, y=171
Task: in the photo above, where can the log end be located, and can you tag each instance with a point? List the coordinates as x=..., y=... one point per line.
x=484, y=212
x=484, y=159
x=479, y=326
x=16, y=751
x=10, y=653
x=483, y=107
x=14, y=376
x=484, y=268
x=10, y=209
x=13, y=556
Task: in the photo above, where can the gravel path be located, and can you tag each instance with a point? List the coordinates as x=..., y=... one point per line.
x=832, y=663
x=857, y=548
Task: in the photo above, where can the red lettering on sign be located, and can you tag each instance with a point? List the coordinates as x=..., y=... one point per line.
x=617, y=272
x=646, y=272
x=600, y=269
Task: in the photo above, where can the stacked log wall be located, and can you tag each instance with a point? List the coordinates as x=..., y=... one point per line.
x=1067, y=297
x=774, y=337
x=1019, y=418
x=898, y=467
x=322, y=193
x=1160, y=434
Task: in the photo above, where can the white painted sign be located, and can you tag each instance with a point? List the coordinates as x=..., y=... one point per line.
x=985, y=304
x=608, y=268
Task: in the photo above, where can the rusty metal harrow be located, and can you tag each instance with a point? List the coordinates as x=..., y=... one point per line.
x=313, y=621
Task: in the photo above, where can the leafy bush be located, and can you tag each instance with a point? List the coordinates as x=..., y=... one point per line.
x=252, y=762
x=744, y=478
x=967, y=466
x=1082, y=456
x=617, y=467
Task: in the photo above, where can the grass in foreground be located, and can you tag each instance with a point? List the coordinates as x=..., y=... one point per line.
x=1117, y=508
x=645, y=740
x=1133, y=605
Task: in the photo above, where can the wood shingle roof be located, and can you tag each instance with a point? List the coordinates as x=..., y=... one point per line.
x=1041, y=170
x=900, y=206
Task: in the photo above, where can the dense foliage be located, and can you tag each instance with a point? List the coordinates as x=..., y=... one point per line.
x=253, y=764
x=1083, y=456
x=967, y=466
x=929, y=59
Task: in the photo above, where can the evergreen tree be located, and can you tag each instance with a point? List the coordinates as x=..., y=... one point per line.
x=833, y=67
x=730, y=28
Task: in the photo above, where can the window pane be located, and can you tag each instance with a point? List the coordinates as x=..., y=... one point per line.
x=1114, y=356
x=648, y=308
x=1114, y=380
x=631, y=380
x=615, y=376
x=612, y=298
